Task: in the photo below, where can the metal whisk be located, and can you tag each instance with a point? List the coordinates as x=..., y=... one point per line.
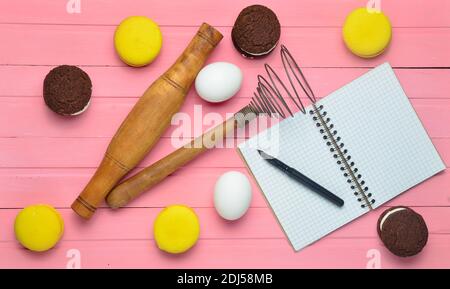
x=268, y=99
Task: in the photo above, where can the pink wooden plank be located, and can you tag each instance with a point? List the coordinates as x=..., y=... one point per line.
x=88, y=152
x=125, y=82
x=291, y=12
x=247, y=253
x=29, y=117
x=312, y=46
x=258, y=223
x=60, y=187
x=257, y=240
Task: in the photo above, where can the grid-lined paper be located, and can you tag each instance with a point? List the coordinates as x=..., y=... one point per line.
x=381, y=132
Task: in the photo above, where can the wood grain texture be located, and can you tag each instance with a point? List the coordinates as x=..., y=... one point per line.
x=147, y=120
x=48, y=159
x=146, y=179
x=258, y=223
x=125, y=82
x=87, y=153
x=312, y=46
x=104, y=116
x=220, y=253
x=322, y=13
x=59, y=186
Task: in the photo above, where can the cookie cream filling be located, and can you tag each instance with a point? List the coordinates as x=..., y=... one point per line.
x=259, y=54
x=388, y=214
x=83, y=110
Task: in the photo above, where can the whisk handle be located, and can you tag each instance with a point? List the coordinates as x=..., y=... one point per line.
x=155, y=173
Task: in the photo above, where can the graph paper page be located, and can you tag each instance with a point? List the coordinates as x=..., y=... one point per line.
x=383, y=137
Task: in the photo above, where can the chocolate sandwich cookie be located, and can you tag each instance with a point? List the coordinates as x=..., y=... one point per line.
x=403, y=231
x=67, y=90
x=256, y=31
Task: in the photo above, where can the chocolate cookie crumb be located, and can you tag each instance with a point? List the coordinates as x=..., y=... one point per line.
x=67, y=90
x=256, y=31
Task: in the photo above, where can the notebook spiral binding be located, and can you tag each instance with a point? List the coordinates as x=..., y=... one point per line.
x=342, y=156
x=269, y=100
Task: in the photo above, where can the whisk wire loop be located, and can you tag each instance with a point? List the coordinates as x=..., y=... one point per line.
x=268, y=98
x=287, y=58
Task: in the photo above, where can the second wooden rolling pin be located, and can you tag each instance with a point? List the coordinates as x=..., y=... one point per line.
x=148, y=119
x=152, y=175
x=267, y=100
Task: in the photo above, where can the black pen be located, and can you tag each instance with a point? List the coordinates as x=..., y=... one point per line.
x=302, y=179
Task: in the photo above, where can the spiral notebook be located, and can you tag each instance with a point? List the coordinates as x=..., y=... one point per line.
x=384, y=151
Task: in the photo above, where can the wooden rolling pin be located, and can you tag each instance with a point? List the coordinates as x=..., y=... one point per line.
x=152, y=175
x=148, y=119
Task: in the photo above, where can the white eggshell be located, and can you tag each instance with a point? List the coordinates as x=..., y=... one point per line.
x=218, y=81
x=232, y=195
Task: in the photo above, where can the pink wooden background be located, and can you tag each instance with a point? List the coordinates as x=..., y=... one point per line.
x=48, y=159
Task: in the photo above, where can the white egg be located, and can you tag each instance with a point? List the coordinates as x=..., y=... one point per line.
x=218, y=81
x=232, y=195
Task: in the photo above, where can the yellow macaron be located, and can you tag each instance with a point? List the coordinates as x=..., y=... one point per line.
x=176, y=229
x=38, y=227
x=138, y=40
x=367, y=33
